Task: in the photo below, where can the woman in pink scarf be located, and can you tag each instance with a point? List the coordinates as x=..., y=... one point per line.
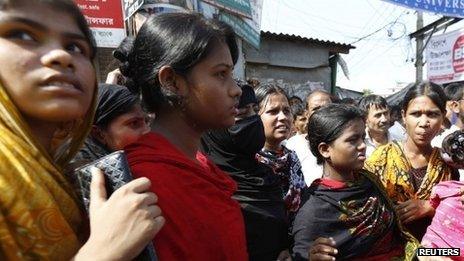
x=447, y=228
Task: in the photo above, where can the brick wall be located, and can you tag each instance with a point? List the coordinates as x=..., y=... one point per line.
x=105, y=63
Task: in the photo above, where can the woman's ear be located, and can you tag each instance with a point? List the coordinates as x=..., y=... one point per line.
x=403, y=115
x=324, y=150
x=167, y=79
x=171, y=81
x=454, y=106
x=98, y=134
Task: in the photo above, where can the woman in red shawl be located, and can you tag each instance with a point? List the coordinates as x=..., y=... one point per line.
x=182, y=64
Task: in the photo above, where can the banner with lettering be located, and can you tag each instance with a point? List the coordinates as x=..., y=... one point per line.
x=445, y=57
x=237, y=7
x=131, y=6
x=105, y=18
x=453, y=8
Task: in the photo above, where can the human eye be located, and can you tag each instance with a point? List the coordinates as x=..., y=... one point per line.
x=133, y=124
x=222, y=74
x=415, y=114
x=434, y=114
x=272, y=111
x=21, y=35
x=76, y=47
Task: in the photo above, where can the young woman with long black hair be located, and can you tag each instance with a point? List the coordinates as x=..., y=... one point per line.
x=182, y=64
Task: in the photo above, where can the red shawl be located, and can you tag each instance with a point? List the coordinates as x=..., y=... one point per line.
x=203, y=222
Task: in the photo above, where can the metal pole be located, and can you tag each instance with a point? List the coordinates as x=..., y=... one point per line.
x=419, y=48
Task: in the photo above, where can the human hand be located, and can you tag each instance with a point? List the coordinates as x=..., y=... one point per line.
x=284, y=256
x=413, y=209
x=121, y=226
x=115, y=77
x=323, y=249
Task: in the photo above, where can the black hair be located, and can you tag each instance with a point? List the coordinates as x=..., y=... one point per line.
x=294, y=97
x=67, y=6
x=298, y=109
x=348, y=101
x=248, y=94
x=432, y=90
x=265, y=90
x=370, y=101
x=113, y=101
x=178, y=40
x=454, y=91
x=328, y=123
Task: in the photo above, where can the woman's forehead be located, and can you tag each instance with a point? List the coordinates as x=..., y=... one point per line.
x=277, y=99
x=422, y=103
x=41, y=16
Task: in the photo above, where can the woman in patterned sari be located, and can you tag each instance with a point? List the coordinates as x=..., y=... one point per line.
x=47, y=96
x=408, y=170
x=347, y=215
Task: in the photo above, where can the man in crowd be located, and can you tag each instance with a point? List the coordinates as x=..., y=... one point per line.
x=377, y=117
x=454, y=105
x=298, y=143
x=455, y=113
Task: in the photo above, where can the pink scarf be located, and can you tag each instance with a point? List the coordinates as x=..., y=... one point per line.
x=447, y=228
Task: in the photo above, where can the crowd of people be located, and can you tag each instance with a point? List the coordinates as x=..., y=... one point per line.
x=223, y=170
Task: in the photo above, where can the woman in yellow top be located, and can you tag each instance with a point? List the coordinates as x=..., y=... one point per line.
x=48, y=88
x=408, y=170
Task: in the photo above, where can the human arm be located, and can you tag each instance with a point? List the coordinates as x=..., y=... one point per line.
x=310, y=243
x=121, y=226
x=414, y=209
x=284, y=256
x=323, y=249
x=115, y=77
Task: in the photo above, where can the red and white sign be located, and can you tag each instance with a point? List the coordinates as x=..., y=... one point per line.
x=106, y=20
x=445, y=57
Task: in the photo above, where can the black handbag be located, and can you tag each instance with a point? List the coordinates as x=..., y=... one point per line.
x=117, y=173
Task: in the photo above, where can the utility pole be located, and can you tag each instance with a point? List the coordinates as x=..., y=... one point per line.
x=419, y=48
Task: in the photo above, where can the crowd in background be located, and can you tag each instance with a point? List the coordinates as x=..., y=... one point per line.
x=223, y=170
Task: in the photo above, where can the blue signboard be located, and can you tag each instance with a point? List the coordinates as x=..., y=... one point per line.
x=241, y=28
x=237, y=7
x=453, y=8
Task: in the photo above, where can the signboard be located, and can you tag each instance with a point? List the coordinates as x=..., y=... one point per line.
x=237, y=7
x=161, y=6
x=105, y=19
x=241, y=28
x=445, y=57
x=256, y=12
x=174, y=4
x=130, y=7
x=453, y=8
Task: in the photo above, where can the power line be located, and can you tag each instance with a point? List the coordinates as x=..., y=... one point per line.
x=369, y=25
x=378, y=30
x=369, y=39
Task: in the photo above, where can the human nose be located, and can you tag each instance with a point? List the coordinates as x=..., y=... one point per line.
x=281, y=116
x=56, y=56
x=146, y=128
x=235, y=90
x=383, y=118
x=362, y=145
x=424, y=121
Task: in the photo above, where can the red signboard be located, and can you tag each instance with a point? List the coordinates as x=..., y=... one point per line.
x=105, y=18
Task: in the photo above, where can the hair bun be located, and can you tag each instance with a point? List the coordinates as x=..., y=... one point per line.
x=123, y=54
